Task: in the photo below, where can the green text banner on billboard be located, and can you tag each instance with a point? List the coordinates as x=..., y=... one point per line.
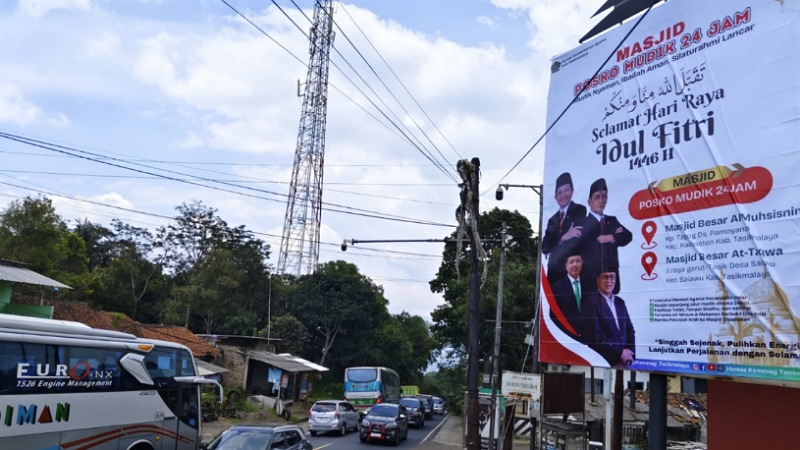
x=671, y=194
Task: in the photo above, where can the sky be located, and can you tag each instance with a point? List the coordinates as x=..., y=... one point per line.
x=166, y=102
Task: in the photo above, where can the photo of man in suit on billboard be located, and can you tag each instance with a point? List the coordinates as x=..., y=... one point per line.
x=611, y=332
x=569, y=293
x=563, y=229
x=601, y=234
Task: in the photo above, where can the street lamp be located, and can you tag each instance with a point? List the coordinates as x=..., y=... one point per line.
x=535, y=329
x=538, y=190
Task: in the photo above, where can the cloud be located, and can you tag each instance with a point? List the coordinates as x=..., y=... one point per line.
x=483, y=20
x=15, y=109
x=40, y=8
x=557, y=24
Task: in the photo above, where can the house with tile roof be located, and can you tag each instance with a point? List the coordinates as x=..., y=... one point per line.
x=83, y=313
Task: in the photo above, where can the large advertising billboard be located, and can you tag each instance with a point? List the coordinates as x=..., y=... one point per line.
x=672, y=194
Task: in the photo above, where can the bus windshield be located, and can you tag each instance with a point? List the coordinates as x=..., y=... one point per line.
x=368, y=386
x=362, y=375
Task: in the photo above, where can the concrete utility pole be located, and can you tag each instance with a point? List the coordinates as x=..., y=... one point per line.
x=470, y=174
x=496, y=355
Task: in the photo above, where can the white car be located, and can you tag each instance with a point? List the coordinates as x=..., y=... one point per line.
x=438, y=406
x=332, y=415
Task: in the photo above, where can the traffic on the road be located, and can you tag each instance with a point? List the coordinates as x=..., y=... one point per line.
x=412, y=436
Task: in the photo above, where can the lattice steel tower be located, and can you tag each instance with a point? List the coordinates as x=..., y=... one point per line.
x=300, y=242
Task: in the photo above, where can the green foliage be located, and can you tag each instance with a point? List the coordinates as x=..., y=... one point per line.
x=450, y=320
x=294, y=337
x=335, y=301
x=200, y=272
x=32, y=232
x=448, y=383
x=327, y=388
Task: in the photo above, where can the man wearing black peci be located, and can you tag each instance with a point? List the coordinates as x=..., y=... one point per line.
x=602, y=235
x=563, y=229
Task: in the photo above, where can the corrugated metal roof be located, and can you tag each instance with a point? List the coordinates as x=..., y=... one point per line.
x=17, y=274
x=282, y=362
x=597, y=411
x=205, y=369
x=305, y=362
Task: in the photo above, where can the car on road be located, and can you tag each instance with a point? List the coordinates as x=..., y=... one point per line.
x=387, y=422
x=336, y=416
x=438, y=406
x=416, y=412
x=259, y=437
x=428, y=402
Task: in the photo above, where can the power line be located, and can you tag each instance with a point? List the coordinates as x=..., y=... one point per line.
x=400, y=81
x=45, y=191
x=564, y=111
x=418, y=145
x=81, y=154
x=405, y=136
x=387, y=87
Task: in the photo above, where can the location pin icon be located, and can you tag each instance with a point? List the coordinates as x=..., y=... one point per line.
x=649, y=231
x=649, y=261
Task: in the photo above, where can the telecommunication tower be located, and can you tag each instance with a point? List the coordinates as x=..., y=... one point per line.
x=299, y=253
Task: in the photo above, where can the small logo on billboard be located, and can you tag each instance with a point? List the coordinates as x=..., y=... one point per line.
x=649, y=261
x=649, y=231
x=555, y=67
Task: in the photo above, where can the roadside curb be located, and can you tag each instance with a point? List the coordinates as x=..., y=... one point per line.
x=435, y=430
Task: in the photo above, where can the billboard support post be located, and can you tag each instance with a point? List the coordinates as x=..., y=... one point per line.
x=657, y=429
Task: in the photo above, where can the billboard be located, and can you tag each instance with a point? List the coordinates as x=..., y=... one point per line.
x=671, y=199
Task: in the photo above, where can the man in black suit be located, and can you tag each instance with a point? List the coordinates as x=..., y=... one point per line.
x=563, y=229
x=602, y=235
x=610, y=332
x=568, y=293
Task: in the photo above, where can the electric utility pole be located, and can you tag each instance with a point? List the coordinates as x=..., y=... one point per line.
x=468, y=213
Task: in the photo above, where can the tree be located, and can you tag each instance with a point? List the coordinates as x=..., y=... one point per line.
x=450, y=319
x=99, y=243
x=337, y=300
x=291, y=335
x=215, y=267
x=33, y=233
x=404, y=343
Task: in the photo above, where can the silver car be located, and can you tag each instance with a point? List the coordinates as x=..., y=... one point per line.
x=332, y=415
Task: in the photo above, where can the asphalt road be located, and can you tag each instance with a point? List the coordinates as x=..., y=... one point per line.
x=351, y=441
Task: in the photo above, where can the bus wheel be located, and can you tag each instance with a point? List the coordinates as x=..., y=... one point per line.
x=142, y=447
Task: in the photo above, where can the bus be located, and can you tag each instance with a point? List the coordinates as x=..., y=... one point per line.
x=67, y=386
x=366, y=386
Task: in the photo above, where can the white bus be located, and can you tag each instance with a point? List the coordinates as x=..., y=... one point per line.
x=366, y=386
x=67, y=386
